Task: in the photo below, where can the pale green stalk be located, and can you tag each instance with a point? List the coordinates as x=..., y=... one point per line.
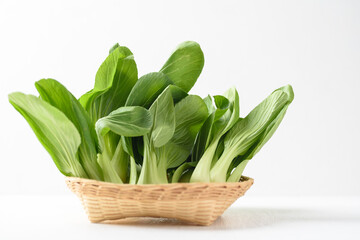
x=150, y=173
x=237, y=173
x=202, y=170
x=120, y=161
x=110, y=174
x=133, y=171
x=219, y=170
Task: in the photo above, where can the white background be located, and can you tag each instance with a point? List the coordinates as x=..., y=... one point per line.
x=256, y=46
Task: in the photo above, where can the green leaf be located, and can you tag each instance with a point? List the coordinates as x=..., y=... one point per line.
x=113, y=48
x=163, y=114
x=255, y=148
x=113, y=82
x=223, y=122
x=246, y=132
x=209, y=103
x=126, y=121
x=222, y=105
x=147, y=89
x=144, y=93
x=224, y=117
x=54, y=130
x=272, y=127
x=177, y=93
x=221, y=102
x=58, y=96
x=218, y=123
x=184, y=65
x=190, y=114
x=270, y=130
x=202, y=139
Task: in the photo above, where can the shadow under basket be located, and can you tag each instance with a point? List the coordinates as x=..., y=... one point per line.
x=195, y=203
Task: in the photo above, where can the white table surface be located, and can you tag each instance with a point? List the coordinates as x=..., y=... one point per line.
x=62, y=217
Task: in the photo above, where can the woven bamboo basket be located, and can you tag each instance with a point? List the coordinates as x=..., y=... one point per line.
x=195, y=203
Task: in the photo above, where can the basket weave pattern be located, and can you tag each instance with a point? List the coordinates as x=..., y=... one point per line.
x=196, y=203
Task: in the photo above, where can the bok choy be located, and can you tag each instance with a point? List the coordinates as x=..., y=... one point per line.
x=149, y=129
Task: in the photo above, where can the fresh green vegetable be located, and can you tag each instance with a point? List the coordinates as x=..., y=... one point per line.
x=113, y=82
x=184, y=65
x=188, y=123
x=127, y=122
x=219, y=122
x=58, y=96
x=54, y=130
x=288, y=94
x=253, y=129
x=163, y=113
x=150, y=130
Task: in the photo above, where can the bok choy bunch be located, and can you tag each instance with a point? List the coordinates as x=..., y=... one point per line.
x=148, y=129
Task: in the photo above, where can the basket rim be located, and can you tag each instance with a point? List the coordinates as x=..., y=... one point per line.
x=243, y=180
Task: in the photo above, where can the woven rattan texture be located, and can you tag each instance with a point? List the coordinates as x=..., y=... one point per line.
x=196, y=203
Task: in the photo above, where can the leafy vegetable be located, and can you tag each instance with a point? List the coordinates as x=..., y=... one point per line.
x=163, y=113
x=147, y=89
x=150, y=130
x=176, y=140
x=58, y=96
x=54, y=130
x=113, y=82
x=185, y=65
x=219, y=122
x=188, y=123
x=253, y=129
x=125, y=121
